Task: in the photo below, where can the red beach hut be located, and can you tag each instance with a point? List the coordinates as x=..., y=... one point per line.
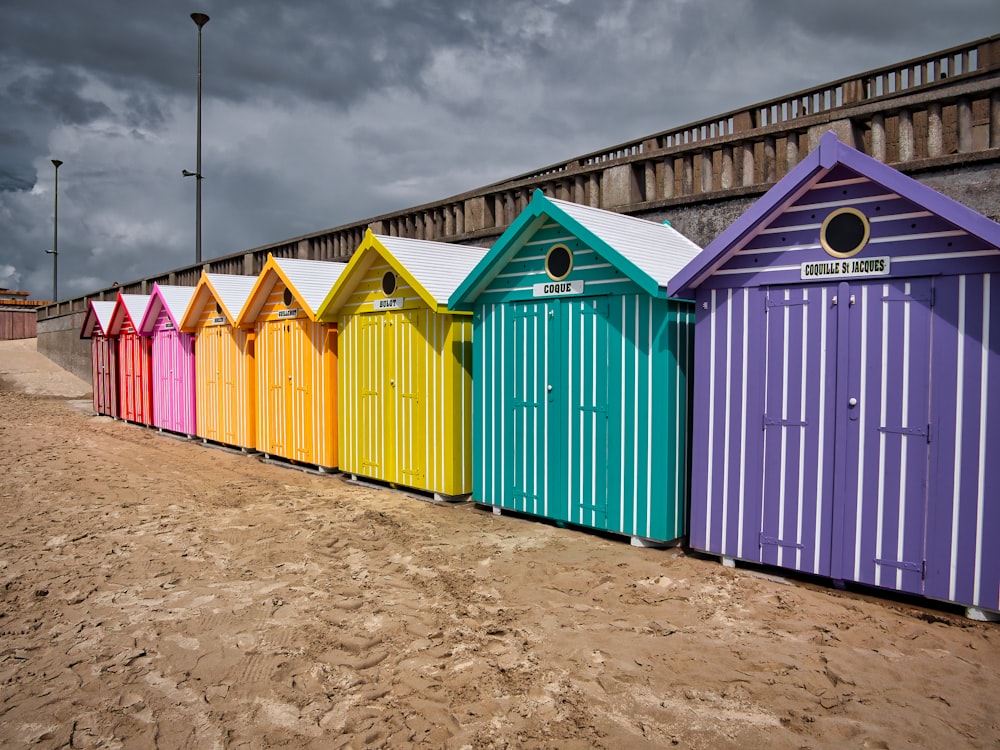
x=135, y=376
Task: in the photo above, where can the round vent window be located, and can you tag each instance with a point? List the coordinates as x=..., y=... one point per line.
x=218, y=309
x=287, y=297
x=558, y=262
x=388, y=283
x=845, y=232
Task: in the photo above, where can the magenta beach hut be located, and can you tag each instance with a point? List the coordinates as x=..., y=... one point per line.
x=104, y=356
x=173, y=359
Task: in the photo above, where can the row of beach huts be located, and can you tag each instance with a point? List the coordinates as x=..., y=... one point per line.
x=817, y=390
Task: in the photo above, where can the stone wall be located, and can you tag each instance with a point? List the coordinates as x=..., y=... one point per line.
x=59, y=340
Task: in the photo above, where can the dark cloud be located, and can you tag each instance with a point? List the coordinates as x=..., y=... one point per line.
x=324, y=112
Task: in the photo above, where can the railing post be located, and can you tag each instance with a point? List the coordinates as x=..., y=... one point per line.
x=935, y=130
x=706, y=171
x=649, y=169
x=995, y=120
x=748, y=176
x=668, y=177
x=687, y=174
x=791, y=151
x=878, y=138
x=905, y=135
x=770, y=166
x=965, y=139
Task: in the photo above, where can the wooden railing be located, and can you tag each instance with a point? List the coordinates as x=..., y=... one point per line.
x=944, y=106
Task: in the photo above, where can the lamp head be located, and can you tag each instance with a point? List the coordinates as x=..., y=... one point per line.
x=56, y=163
x=199, y=18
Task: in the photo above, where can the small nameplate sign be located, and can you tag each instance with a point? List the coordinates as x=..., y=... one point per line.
x=558, y=288
x=292, y=313
x=388, y=303
x=168, y=326
x=848, y=268
x=218, y=320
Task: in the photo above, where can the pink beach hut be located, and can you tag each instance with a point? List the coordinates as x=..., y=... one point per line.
x=173, y=359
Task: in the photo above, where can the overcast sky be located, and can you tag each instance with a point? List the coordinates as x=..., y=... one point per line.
x=317, y=113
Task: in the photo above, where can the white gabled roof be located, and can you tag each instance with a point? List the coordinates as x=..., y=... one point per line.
x=439, y=267
x=657, y=249
x=312, y=279
x=231, y=291
x=103, y=309
x=135, y=306
x=176, y=299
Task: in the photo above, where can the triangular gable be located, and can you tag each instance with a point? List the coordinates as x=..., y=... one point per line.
x=128, y=306
x=432, y=269
x=97, y=317
x=646, y=252
x=229, y=291
x=830, y=154
x=173, y=299
x=308, y=280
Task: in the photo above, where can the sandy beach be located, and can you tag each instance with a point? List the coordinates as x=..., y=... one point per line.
x=159, y=593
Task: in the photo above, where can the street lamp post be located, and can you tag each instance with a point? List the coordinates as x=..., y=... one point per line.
x=54, y=252
x=200, y=20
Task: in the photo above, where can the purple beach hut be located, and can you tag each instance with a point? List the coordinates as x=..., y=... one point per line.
x=847, y=389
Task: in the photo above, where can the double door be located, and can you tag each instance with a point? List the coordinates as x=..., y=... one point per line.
x=846, y=429
x=557, y=402
x=393, y=433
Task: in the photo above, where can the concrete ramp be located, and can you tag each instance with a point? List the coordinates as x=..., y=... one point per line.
x=24, y=369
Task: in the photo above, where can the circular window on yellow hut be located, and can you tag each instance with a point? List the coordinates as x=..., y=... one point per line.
x=845, y=232
x=388, y=283
x=287, y=297
x=558, y=262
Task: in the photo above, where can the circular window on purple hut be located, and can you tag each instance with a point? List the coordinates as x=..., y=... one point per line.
x=558, y=262
x=845, y=232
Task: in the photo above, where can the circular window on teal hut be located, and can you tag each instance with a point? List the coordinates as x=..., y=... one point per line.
x=845, y=232
x=558, y=262
x=287, y=297
x=388, y=283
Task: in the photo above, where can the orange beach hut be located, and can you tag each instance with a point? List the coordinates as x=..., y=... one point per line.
x=135, y=359
x=225, y=382
x=296, y=360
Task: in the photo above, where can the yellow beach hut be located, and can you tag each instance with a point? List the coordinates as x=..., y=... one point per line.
x=405, y=366
x=296, y=360
x=225, y=393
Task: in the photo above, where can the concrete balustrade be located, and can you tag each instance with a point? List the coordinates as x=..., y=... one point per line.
x=938, y=112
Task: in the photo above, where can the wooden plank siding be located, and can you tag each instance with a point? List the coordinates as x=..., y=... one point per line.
x=405, y=378
x=850, y=403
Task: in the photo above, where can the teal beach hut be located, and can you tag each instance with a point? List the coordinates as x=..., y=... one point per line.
x=581, y=369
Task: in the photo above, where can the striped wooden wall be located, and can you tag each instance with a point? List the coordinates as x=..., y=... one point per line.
x=405, y=389
x=845, y=426
x=173, y=377
x=104, y=374
x=225, y=381
x=296, y=364
x=135, y=383
x=581, y=403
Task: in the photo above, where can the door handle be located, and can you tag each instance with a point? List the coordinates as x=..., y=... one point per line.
x=852, y=402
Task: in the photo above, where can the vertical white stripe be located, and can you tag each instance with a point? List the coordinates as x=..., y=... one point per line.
x=784, y=429
x=984, y=378
x=649, y=423
x=593, y=417
x=743, y=422
x=904, y=447
x=635, y=424
x=622, y=417
x=956, y=500
x=724, y=546
x=883, y=396
x=543, y=456
x=861, y=396
x=803, y=386
x=821, y=457
x=502, y=479
x=709, y=498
